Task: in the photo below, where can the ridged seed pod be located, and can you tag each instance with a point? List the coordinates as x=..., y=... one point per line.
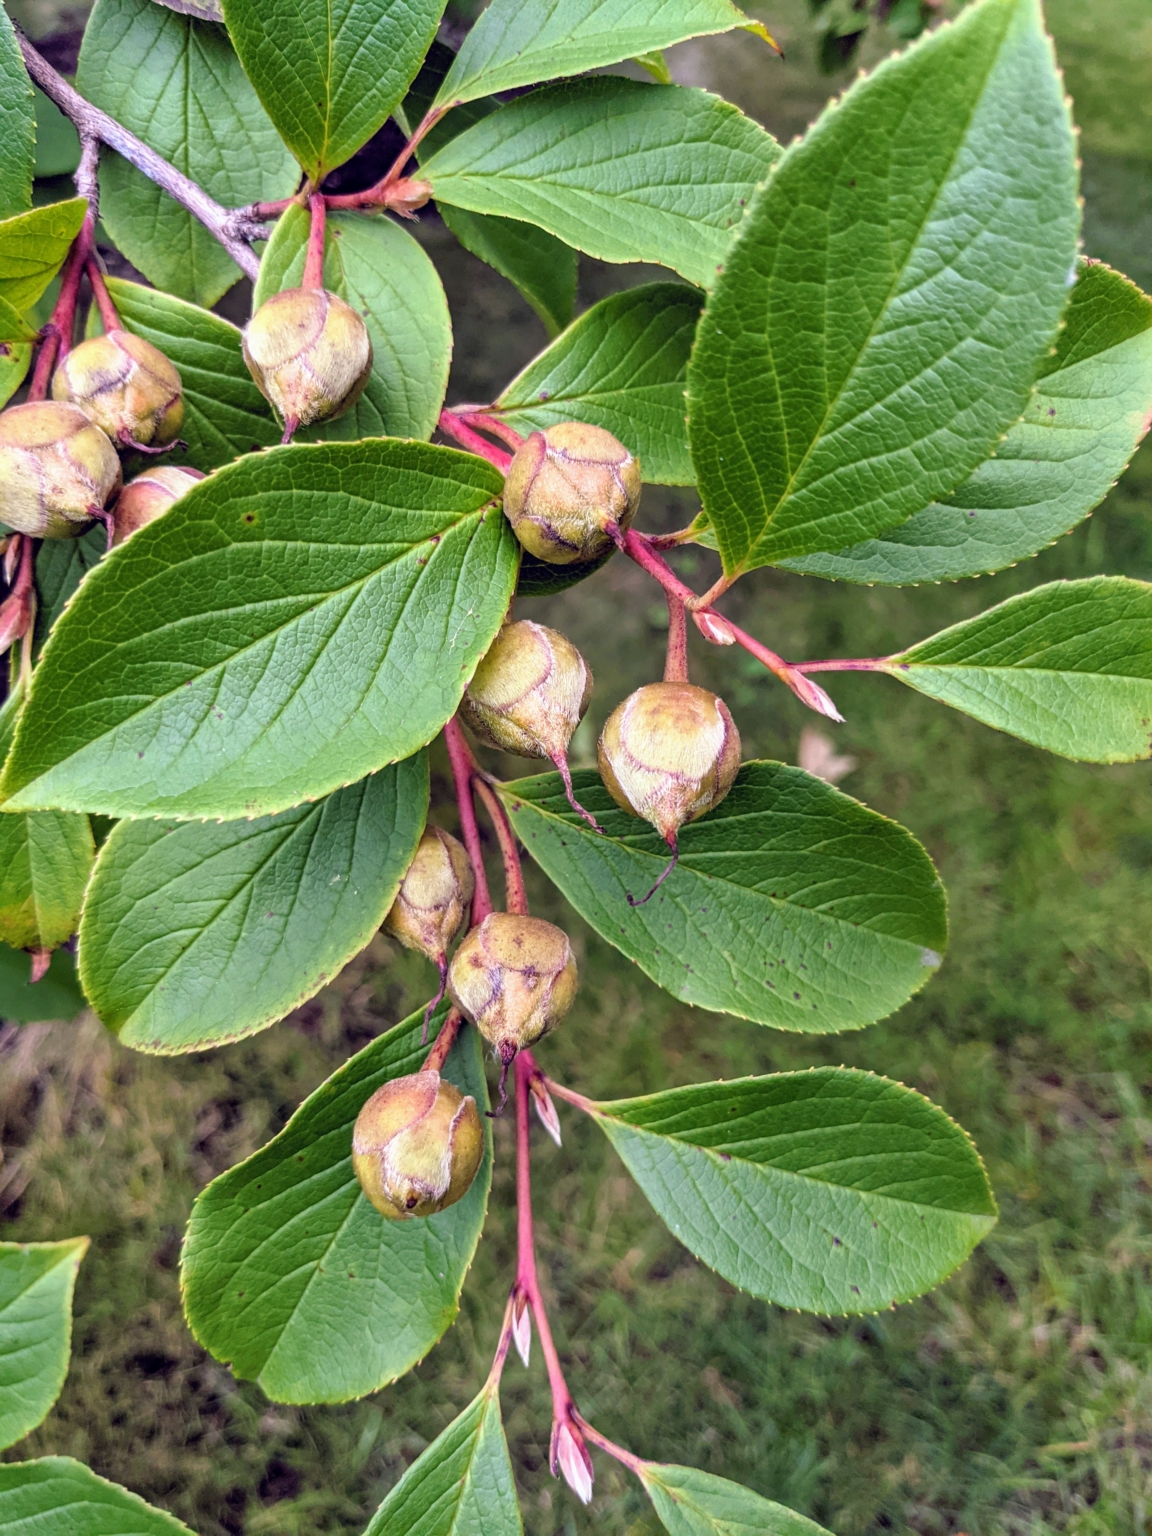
x=309, y=353
x=126, y=386
x=148, y=497
x=565, y=486
x=57, y=469
x=416, y=1146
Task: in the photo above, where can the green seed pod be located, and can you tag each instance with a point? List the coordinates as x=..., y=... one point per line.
x=434, y=898
x=309, y=353
x=126, y=386
x=565, y=486
x=515, y=978
x=416, y=1146
x=57, y=469
x=148, y=497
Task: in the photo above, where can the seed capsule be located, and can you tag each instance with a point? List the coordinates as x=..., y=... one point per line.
x=528, y=696
x=148, y=497
x=669, y=753
x=416, y=1146
x=565, y=487
x=309, y=353
x=433, y=902
x=126, y=386
x=57, y=469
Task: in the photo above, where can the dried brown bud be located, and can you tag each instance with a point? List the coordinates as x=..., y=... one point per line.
x=565, y=487
x=515, y=978
x=148, y=497
x=432, y=903
x=126, y=386
x=416, y=1146
x=56, y=469
x=309, y=353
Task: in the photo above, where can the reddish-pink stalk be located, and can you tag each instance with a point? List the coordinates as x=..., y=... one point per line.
x=848, y=664
x=438, y=1055
x=626, y=1458
x=569, y=1095
x=452, y=426
x=57, y=335
x=489, y=423
x=109, y=317
x=676, y=658
x=463, y=767
x=270, y=210
x=314, y=255
x=515, y=896
x=376, y=195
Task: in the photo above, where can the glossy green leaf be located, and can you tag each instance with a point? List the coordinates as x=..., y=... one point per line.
x=296, y=621
x=14, y=326
x=36, y=1284
x=831, y=1190
x=1067, y=666
x=177, y=84
x=61, y=565
x=462, y=1485
x=56, y=995
x=792, y=904
x=1084, y=421
x=14, y=364
x=385, y=275
x=57, y=1496
x=624, y=171
x=196, y=933
x=45, y=860
x=33, y=246
x=881, y=315
x=17, y=125
x=692, y=1503
x=293, y=1279
x=622, y=366
x=330, y=71
x=57, y=142
x=521, y=42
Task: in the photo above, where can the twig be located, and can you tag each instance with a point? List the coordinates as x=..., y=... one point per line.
x=232, y=228
x=452, y=426
x=379, y=195
x=515, y=896
x=438, y=1055
x=463, y=767
x=489, y=423
x=108, y=316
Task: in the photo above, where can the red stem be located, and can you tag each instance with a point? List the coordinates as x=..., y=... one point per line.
x=57, y=342
x=438, y=1055
x=515, y=896
x=463, y=767
x=108, y=314
x=314, y=256
x=569, y=1095
x=374, y=196
x=492, y=424
x=452, y=426
x=632, y=1462
x=855, y=664
x=676, y=660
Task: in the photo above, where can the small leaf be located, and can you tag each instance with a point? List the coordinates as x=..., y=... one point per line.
x=298, y=620
x=293, y=1279
x=224, y=413
x=330, y=71
x=590, y=162
x=33, y=246
x=17, y=124
x=1087, y=414
x=832, y=1190
x=62, y=1497
x=56, y=995
x=196, y=933
x=692, y=1503
x=622, y=366
x=881, y=314
x=61, y=565
x=462, y=1485
x=1067, y=666
x=792, y=904
x=36, y=1284
x=516, y=43
x=177, y=84
x=386, y=276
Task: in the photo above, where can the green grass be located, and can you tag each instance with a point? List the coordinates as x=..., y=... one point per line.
x=1015, y=1401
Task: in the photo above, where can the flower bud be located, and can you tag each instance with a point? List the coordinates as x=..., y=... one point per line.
x=57, y=469
x=147, y=497
x=669, y=753
x=126, y=386
x=309, y=353
x=565, y=487
x=416, y=1146
x=515, y=978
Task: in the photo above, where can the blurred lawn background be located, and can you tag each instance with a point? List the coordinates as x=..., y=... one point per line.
x=1016, y=1400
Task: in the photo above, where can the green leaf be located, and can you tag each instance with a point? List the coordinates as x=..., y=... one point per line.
x=692, y=1503
x=14, y=326
x=224, y=413
x=57, y=1496
x=624, y=171
x=385, y=275
x=1067, y=666
x=17, y=124
x=203, y=10
x=1086, y=417
x=330, y=71
x=622, y=366
x=196, y=933
x=291, y=1277
x=33, y=246
x=880, y=316
x=14, y=363
x=299, y=619
x=36, y=1283
x=832, y=1190
x=462, y=1485
x=57, y=142
x=61, y=565
x=56, y=995
x=177, y=84
x=792, y=904
x=45, y=860
x=521, y=42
